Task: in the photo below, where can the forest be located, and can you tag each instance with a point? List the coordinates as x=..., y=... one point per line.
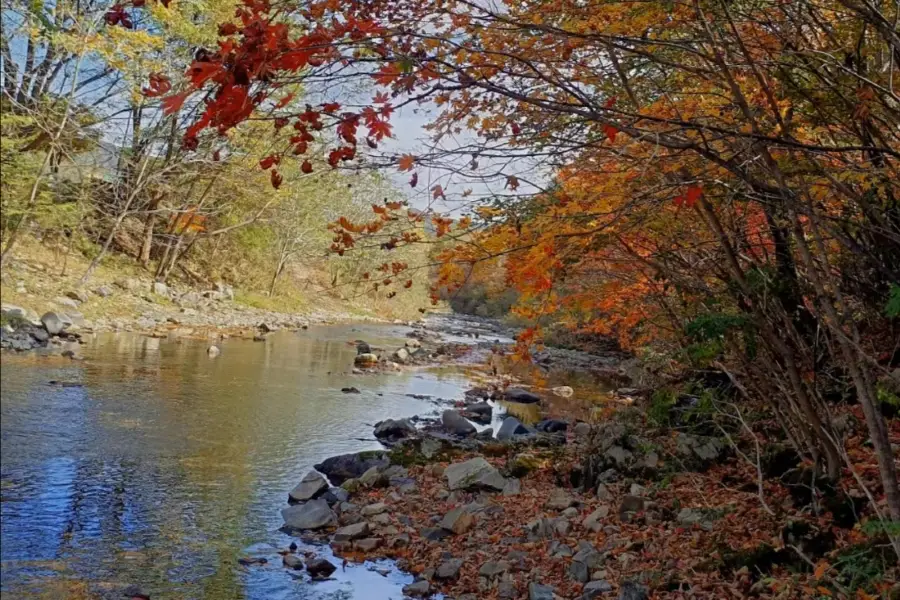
x=712, y=184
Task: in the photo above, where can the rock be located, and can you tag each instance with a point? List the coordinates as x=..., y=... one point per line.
x=11, y=312
x=67, y=302
x=159, y=288
x=520, y=395
x=351, y=532
x=511, y=427
x=320, y=568
x=339, y=469
x=582, y=430
x=213, y=350
x=594, y=521
x=698, y=451
x=480, y=412
x=493, y=568
x=53, y=323
x=537, y=591
x=559, y=500
x=401, y=355
x=373, y=509
x=603, y=492
x=417, y=589
x=631, y=504
x=512, y=488
x=39, y=333
x=456, y=424
x=449, y=569
x=434, y=534
x=563, y=391
x=314, y=514
x=459, y=520
x=688, y=517
x=365, y=359
x=595, y=589
x=311, y=486
x=637, y=489
x=367, y=544
x=374, y=478
x=350, y=390
x=78, y=295
x=474, y=474
x=633, y=591
x=362, y=347
x=393, y=430
x=413, y=343
x=522, y=464
x=507, y=590
x=335, y=495
x=249, y=561
x=552, y=426
x=292, y=561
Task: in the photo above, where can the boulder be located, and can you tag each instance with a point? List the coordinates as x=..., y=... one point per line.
x=365, y=359
x=631, y=590
x=159, y=288
x=474, y=474
x=456, y=424
x=311, y=486
x=595, y=520
x=519, y=395
x=563, y=391
x=413, y=343
x=128, y=284
x=511, y=427
x=418, y=589
x=319, y=568
x=522, y=464
x=11, y=312
x=536, y=591
x=374, y=478
x=401, y=355
x=78, y=295
x=314, y=514
x=459, y=520
x=373, y=509
x=67, y=302
x=352, y=532
x=292, y=561
x=449, y=569
x=698, y=451
x=559, y=500
x=688, y=517
x=53, y=323
x=335, y=495
x=339, y=469
x=631, y=504
x=552, y=426
x=595, y=589
x=213, y=350
x=363, y=347
x=394, y=429
x=367, y=544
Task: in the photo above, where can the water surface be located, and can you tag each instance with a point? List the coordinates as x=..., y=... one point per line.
x=163, y=466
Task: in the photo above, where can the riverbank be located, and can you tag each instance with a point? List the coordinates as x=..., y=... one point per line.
x=610, y=503
x=122, y=297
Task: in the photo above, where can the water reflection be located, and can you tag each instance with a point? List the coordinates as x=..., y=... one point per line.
x=166, y=465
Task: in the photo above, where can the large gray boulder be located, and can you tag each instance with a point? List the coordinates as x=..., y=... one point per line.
x=456, y=424
x=394, y=429
x=511, y=427
x=314, y=514
x=474, y=474
x=11, y=312
x=54, y=322
x=339, y=469
x=519, y=395
x=311, y=486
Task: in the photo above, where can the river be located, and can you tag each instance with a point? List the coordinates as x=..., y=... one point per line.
x=159, y=466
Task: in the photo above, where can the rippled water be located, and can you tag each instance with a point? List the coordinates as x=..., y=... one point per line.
x=164, y=466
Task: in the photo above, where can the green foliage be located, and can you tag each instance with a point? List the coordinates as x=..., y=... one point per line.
x=661, y=403
x=861, y=566
x=708, y=333
x=892, y=308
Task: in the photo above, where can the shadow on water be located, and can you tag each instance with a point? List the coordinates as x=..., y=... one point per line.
x=164, y=466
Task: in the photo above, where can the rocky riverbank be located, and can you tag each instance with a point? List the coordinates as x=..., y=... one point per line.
x=564, y=509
